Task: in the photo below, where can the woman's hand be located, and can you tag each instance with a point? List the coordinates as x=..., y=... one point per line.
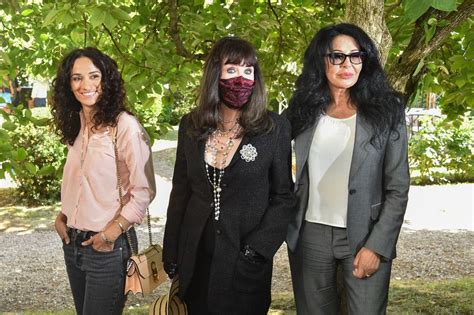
x=98, y=243
x=170, y=268
x=104, y=241
x=61, y=227
x=366, y=263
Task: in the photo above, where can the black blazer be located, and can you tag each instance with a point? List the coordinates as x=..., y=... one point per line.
x=257, y=203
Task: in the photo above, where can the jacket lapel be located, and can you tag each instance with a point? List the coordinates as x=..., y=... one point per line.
x=362, y=138
x=236, y=157
x=302, y=146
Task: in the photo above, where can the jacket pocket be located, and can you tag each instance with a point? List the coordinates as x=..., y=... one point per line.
x=375, y=211
x=251, y=277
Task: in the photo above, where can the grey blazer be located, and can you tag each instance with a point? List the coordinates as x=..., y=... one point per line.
x=378, y=189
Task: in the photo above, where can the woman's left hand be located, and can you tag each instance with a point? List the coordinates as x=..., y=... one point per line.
x=366, y=263
x=98, y=244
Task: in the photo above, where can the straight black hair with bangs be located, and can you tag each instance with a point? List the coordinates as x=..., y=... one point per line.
x=254, y=118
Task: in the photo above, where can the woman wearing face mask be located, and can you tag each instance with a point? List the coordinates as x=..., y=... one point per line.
x=232, y=196
x=89, y=111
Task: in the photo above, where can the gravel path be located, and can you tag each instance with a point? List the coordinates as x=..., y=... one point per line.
x=33, y=276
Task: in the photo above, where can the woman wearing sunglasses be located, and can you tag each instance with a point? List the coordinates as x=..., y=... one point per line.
x=352, y=176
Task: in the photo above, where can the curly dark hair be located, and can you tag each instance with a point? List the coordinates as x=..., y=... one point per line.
x=375, y=99
x=254, y=117
x=66, y=108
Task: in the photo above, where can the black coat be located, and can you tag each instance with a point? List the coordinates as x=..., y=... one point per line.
x=257, y=203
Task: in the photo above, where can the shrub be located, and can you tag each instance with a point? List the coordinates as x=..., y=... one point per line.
x=442, y=152
x=39, y=182
x=149, y=115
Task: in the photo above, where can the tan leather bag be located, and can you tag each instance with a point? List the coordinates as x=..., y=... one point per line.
x=144, y=270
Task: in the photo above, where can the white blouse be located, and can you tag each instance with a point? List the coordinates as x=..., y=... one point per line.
x=329, y=165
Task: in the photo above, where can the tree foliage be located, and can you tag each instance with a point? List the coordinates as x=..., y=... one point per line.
x=161, y=45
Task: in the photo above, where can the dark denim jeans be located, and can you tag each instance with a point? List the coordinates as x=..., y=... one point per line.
x=97, y=279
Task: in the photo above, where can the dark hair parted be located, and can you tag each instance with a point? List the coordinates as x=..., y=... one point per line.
x=66, y=108
x=254, y=117
x=375, y=99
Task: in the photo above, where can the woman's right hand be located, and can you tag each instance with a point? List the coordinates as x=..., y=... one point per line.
x=170, y=269
x=61, y=227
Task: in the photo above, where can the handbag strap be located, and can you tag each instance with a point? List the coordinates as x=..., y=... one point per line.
x=119, y=186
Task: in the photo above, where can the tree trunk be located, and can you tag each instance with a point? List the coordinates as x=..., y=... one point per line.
x=369, y=15
x=401, y=71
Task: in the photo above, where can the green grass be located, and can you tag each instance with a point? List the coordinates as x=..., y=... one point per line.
x=406, y=297
x=432, y=297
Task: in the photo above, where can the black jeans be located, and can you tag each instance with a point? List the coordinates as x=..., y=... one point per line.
x=97, y=279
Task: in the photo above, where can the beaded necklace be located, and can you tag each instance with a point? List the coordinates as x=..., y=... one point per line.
x=213, y=147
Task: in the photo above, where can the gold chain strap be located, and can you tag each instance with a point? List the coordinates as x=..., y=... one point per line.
x=119, y=186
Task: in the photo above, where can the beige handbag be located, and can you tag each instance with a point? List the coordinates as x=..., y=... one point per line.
x=145, y=270
x=169, y=304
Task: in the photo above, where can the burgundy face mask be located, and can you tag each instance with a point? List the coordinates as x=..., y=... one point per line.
x=235, y=92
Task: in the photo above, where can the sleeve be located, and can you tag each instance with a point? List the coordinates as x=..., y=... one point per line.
x=272, y=231
x=179, y=197
x=139, y=161
x=396, y=183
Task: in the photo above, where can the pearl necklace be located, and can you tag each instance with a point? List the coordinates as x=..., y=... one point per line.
x=213, y=147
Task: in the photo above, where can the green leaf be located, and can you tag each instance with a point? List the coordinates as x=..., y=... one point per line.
x=41, y=121
x=110, y=21
x=444, y=5
x=31, y=167
x=50, y=17
x=21, y=154
x=46, y=170
x=5, y=147
x=120, y=14
x=460, y=82
x=416, y=8
x=77, y=36
x=98, y=16
x=27, y=12
x=419, y=67
x=8, y=125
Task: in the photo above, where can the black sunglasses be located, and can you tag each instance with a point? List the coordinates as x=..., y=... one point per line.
x=337, y=58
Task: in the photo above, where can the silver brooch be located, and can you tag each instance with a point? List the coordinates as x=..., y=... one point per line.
x=248, y=153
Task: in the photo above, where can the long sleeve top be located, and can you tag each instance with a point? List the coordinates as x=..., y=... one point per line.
x=89, y=191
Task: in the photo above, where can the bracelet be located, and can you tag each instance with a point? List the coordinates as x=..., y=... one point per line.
x=105, y=239
x=121, y=226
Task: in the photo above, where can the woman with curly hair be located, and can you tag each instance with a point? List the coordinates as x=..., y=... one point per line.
x=89, y=112
x=352, y=176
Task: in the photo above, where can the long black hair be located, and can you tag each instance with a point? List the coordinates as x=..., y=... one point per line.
x=254, y=117
x=373, y=96
x=65, y=107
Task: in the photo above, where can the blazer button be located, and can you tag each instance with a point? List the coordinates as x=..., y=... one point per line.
x=224, y=185
x=352, y=191
x=212, y=204
x=218, y=232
